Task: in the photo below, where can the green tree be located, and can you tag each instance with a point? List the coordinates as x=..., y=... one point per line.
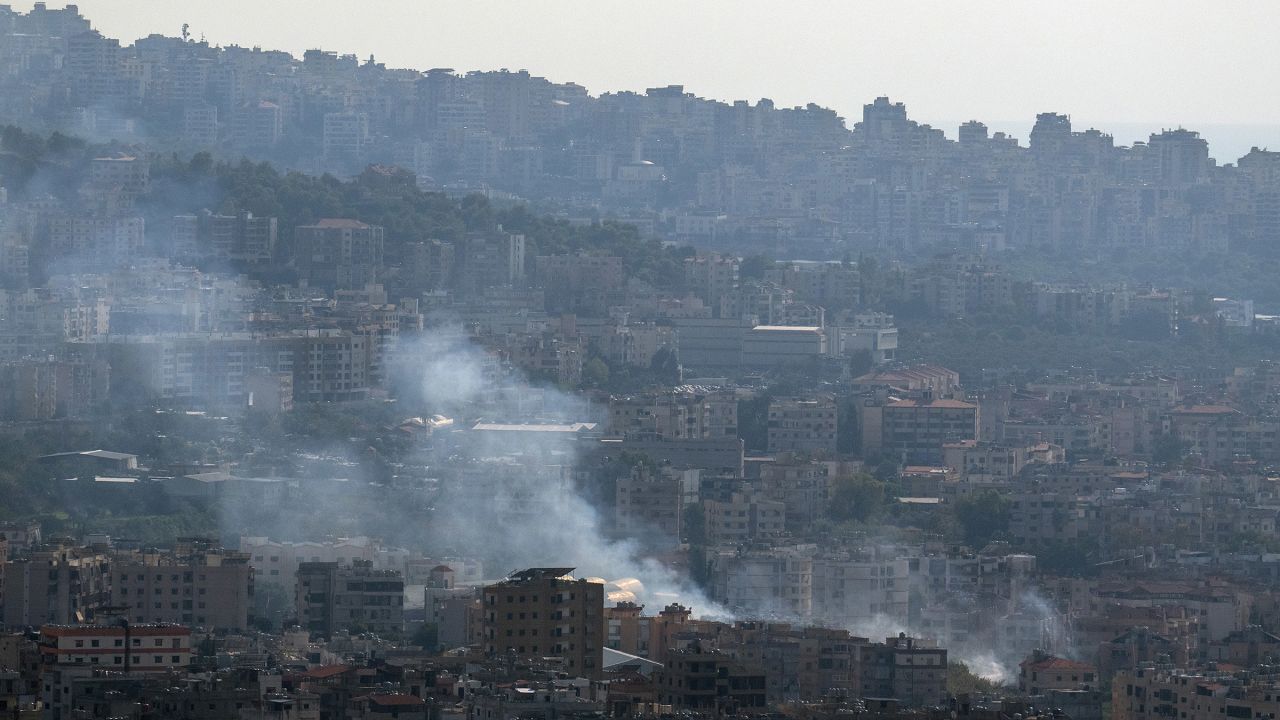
x=1168, y=450
x=426, y=636
x=754, y=267
x=856, y=497
x=962, y=681
x=982, y=516
x=595, y=373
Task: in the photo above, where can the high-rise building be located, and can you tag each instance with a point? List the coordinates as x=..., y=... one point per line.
x=543, y=612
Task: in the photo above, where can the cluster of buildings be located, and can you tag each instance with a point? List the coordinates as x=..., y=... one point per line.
x=710, y=172
x=848, y=523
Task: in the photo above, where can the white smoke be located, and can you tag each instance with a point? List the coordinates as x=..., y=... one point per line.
x=513, y=500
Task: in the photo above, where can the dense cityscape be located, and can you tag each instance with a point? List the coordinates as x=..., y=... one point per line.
x=330, y=390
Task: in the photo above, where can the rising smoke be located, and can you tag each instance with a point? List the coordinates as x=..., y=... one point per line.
x=513, y=497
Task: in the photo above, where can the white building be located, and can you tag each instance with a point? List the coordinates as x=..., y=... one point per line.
x=873, y=332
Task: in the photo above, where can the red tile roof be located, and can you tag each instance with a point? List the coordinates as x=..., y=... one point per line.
x=1057, y=663
x=325, y=671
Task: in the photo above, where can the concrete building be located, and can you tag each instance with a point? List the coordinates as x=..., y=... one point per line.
x=58, y=584
x=782, y=345
x=677, y=415
x=346, y=136
x=779, y=580
x=339, y=253
x=72, y=653
x=543, y=612
x=803, y=425
x=917, y=430
x=649, y=506
x=1154, y=693
x=873, y=333
x=697, y=680
x=240, y=237
x=906, y=669
x=1042, y=673
x=330, y=597
x=201, y=587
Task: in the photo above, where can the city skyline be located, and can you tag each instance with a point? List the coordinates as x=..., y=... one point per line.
x=1181, y=68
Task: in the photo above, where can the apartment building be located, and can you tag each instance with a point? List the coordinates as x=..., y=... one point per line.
x=206, y=587
x=241, y=237
x=683, y=414
x=543, y=612
x=1154, y=693
x=73, y=653
x=327, y=365
x=700, y=680
x=803, y=425
x=55, y=583
x=904, y=668
x=330, y=598
x=649, y=505
x=917, y=429
x=339, y=253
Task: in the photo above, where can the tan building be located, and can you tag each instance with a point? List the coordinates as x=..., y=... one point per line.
x=916, y=430
x=1041, y=673
x=675, y=415
x=630, y=631
x=209, y=588
x=71, y=653
x=1160, y=694
x=742, y=517
x=543, y=612
x=55, y=584
x=709, y=681
x=803, y=425
x=981, y=464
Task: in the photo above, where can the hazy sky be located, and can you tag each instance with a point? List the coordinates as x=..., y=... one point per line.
x=1121, y=63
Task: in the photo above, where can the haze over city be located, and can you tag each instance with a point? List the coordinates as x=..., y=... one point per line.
x=639, y=361
x=1128, y=68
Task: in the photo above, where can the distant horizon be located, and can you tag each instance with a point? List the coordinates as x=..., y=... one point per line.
x=1128, y=70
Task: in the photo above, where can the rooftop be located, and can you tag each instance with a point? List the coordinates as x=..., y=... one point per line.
x=533, y=427
x=339, y=224
x=935, y=403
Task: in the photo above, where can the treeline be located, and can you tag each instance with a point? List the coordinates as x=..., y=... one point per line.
x=33, y=166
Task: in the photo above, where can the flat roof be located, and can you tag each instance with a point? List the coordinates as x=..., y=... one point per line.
x=788, y=328
x=532, y=427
